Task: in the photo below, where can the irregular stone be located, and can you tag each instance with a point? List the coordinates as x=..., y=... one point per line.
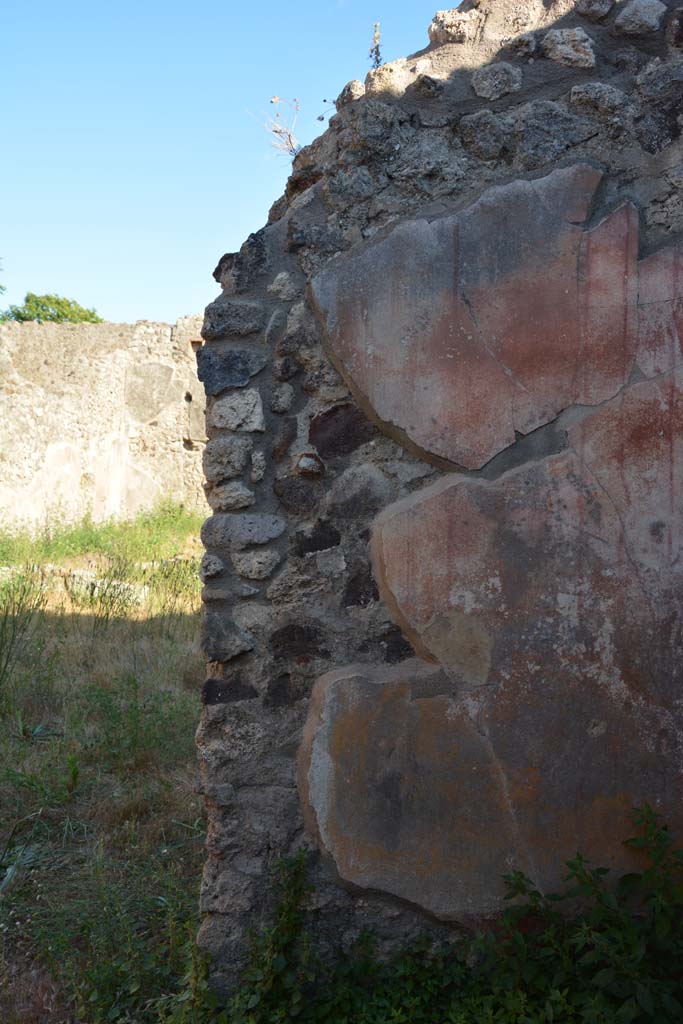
x=231, y=316
x=281, y=692
x=594, y=9
x=221, y=639
x=225, y=457
x=285, y=287
x=361, y=589
x=485, y=134
x=570, y=46
x=259, y=466
x=640, y=17
x=496, y=80
x=358, y=493
x=211, y=566
x=238, y=271
x=229, y=497
x=340, y=430
x=605, y=99
x=674, y=28
x=390, y=79
x=224, y=890
x=300, y=496
x=524, y=45
x=428, y=87
x=331, y=563
x=282, y=398
x=309, y=464
x=225, y=593
x=389, y=645
x=241, y=410
x=300, y=330
x=222, y=368
x=255, y=565
x=544, y=130
x=226, y=691
x=299, y=641
x=375, y=128
x=238, y=531
x=351, y=92
x=453, y=26
x=660, y=85
x=451, y=361
x=320, y=537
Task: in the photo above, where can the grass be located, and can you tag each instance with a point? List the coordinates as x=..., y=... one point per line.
x=159, y=534
x=101, y=832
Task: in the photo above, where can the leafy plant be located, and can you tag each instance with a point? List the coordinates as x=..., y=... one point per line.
x=617, y=959
x=50, y=308
x=282, y=964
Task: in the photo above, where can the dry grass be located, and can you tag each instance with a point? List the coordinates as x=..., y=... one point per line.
x=101, y=831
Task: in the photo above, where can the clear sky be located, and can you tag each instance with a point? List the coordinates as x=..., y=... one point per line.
x=134, y=152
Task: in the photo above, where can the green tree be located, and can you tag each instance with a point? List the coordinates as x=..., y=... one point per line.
x=53, y=308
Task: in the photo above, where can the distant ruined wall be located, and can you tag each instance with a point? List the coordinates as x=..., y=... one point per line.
x=104, y=419
x=445, y=415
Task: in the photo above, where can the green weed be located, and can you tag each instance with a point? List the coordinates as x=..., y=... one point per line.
x=158, y=534
x=618, y=959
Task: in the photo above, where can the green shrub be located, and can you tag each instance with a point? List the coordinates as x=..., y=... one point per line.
x=52, y=308
x=617, y=960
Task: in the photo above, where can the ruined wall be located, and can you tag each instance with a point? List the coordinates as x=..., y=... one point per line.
x=102, y=418
x=442, y=578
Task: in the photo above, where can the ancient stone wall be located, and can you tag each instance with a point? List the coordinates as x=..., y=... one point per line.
x=445, y=458
x=104, y=419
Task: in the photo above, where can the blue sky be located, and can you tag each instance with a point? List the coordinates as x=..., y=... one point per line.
x=134, y=151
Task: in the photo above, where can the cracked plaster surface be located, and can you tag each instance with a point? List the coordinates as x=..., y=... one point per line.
x=548, y=599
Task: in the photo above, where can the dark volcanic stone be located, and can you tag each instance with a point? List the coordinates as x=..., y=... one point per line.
x=299, y=640
x=226, y=691
x=661, y=86
x=282, y=692
x=221, y=639
x=392, y=645
x=322, y=537
x=231, y=316
x=219, y=369
x=545, y=130
x=340, y=430
x=361, y=589
x=299, y=495
x=237, y=271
